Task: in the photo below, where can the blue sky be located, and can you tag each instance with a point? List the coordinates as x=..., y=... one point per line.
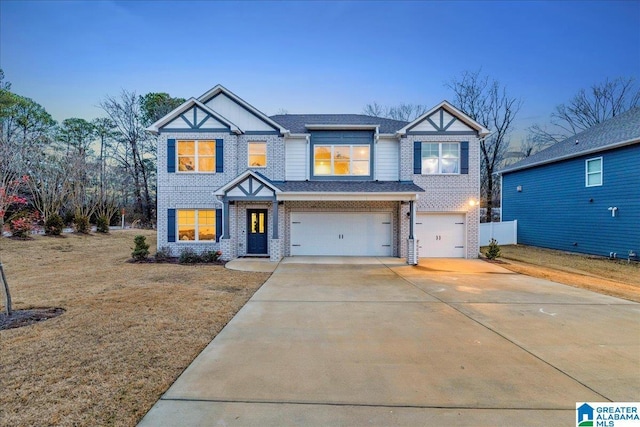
x=313, y=57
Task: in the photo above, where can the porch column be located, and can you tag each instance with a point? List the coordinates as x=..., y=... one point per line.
x=274, y=214
x=411, y=219
x=225, y=217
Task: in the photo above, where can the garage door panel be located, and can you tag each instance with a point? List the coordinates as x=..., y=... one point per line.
x=441, y=235
x=341, y=234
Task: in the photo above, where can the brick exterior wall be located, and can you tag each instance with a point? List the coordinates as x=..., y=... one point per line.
x=197, y=190
x=443, y=193
x=448, y=193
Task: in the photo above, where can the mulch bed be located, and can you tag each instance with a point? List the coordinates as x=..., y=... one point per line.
x=20, y=318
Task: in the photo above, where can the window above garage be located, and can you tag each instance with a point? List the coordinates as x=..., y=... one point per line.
x=341, y=160
x=341, y=155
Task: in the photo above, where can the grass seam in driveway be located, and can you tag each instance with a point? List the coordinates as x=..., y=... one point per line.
x=362, y=405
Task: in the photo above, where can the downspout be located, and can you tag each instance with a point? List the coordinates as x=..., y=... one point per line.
x=376, y=138
x=307, y=158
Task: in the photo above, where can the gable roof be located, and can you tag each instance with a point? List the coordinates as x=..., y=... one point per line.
x=218, y=89
x=446, y=105
x=240, y=178
x=296, y=123
x=188, y=104
x=618, y=131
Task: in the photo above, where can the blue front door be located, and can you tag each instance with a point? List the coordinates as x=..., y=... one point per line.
x=257, y=231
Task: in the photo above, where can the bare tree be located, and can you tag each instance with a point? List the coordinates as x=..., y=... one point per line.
x=49, y=183
x=586, y=109
x=403, y=112
x=487, y=102
x=126, y=115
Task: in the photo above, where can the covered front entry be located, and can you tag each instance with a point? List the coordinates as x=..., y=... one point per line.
x=341, y=233
x=257, y=236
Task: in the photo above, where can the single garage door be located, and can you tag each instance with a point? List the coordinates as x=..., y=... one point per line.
x=440, y=235
x=341, y=233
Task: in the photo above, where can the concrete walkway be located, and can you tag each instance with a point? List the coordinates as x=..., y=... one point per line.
x=377, y=342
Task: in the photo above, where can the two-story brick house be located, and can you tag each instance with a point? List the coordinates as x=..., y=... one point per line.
x=231, y=178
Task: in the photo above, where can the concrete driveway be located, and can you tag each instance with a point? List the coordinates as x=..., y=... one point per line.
x=377, y=342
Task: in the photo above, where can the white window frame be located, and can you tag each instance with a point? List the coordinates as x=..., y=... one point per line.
x=195, y=156
x=440, y=158
x=587, y=173
x=351, y=159
x=196, y=226
x=249, y=154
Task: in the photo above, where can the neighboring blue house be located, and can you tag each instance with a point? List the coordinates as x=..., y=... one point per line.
x=582, y=194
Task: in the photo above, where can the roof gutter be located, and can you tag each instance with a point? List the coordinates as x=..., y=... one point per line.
x=349, y=196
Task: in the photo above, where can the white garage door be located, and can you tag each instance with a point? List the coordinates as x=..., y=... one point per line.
x=341, y=234
x=440, y=235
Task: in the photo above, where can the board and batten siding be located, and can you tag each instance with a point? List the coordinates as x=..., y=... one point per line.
x=387, y=161
x=296, y=159
x=237, y=114
x=555, y=209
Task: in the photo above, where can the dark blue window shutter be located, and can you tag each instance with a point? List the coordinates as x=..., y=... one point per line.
x=171, y=155
x=417, y=157
x=171, y=225
x=218, y=224
x=464, y=157
x=219, y=155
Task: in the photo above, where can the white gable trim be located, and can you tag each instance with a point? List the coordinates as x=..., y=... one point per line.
x=222, y=191
x=188, y=104
x=482, y=131
x=221, y=89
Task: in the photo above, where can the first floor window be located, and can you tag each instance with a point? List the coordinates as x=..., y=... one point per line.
x=440, y=158
x=196, y=225
x=341, y=160
x=257, y=154
x=196, y=156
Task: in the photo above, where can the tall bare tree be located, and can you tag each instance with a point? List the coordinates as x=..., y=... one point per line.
x=587, y=108
x=126, y=115
x=487, y=102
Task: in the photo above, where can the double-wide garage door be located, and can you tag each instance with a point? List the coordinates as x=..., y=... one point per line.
x=440, y=235
x=341, y=233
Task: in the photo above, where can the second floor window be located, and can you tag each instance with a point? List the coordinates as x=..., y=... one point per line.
x=196, y=156
x=341, y=160
x=594, y=172
x=440, y=158
x=257, y=154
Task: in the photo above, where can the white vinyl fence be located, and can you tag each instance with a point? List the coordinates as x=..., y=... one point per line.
x=505, y=233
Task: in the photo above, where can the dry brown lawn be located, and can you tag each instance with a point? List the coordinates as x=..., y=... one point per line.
x=129, y=329
x=611, y=277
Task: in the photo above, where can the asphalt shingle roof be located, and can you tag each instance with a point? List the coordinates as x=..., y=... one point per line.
x=348, y=186
x=621, y=128
x=295, y=123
